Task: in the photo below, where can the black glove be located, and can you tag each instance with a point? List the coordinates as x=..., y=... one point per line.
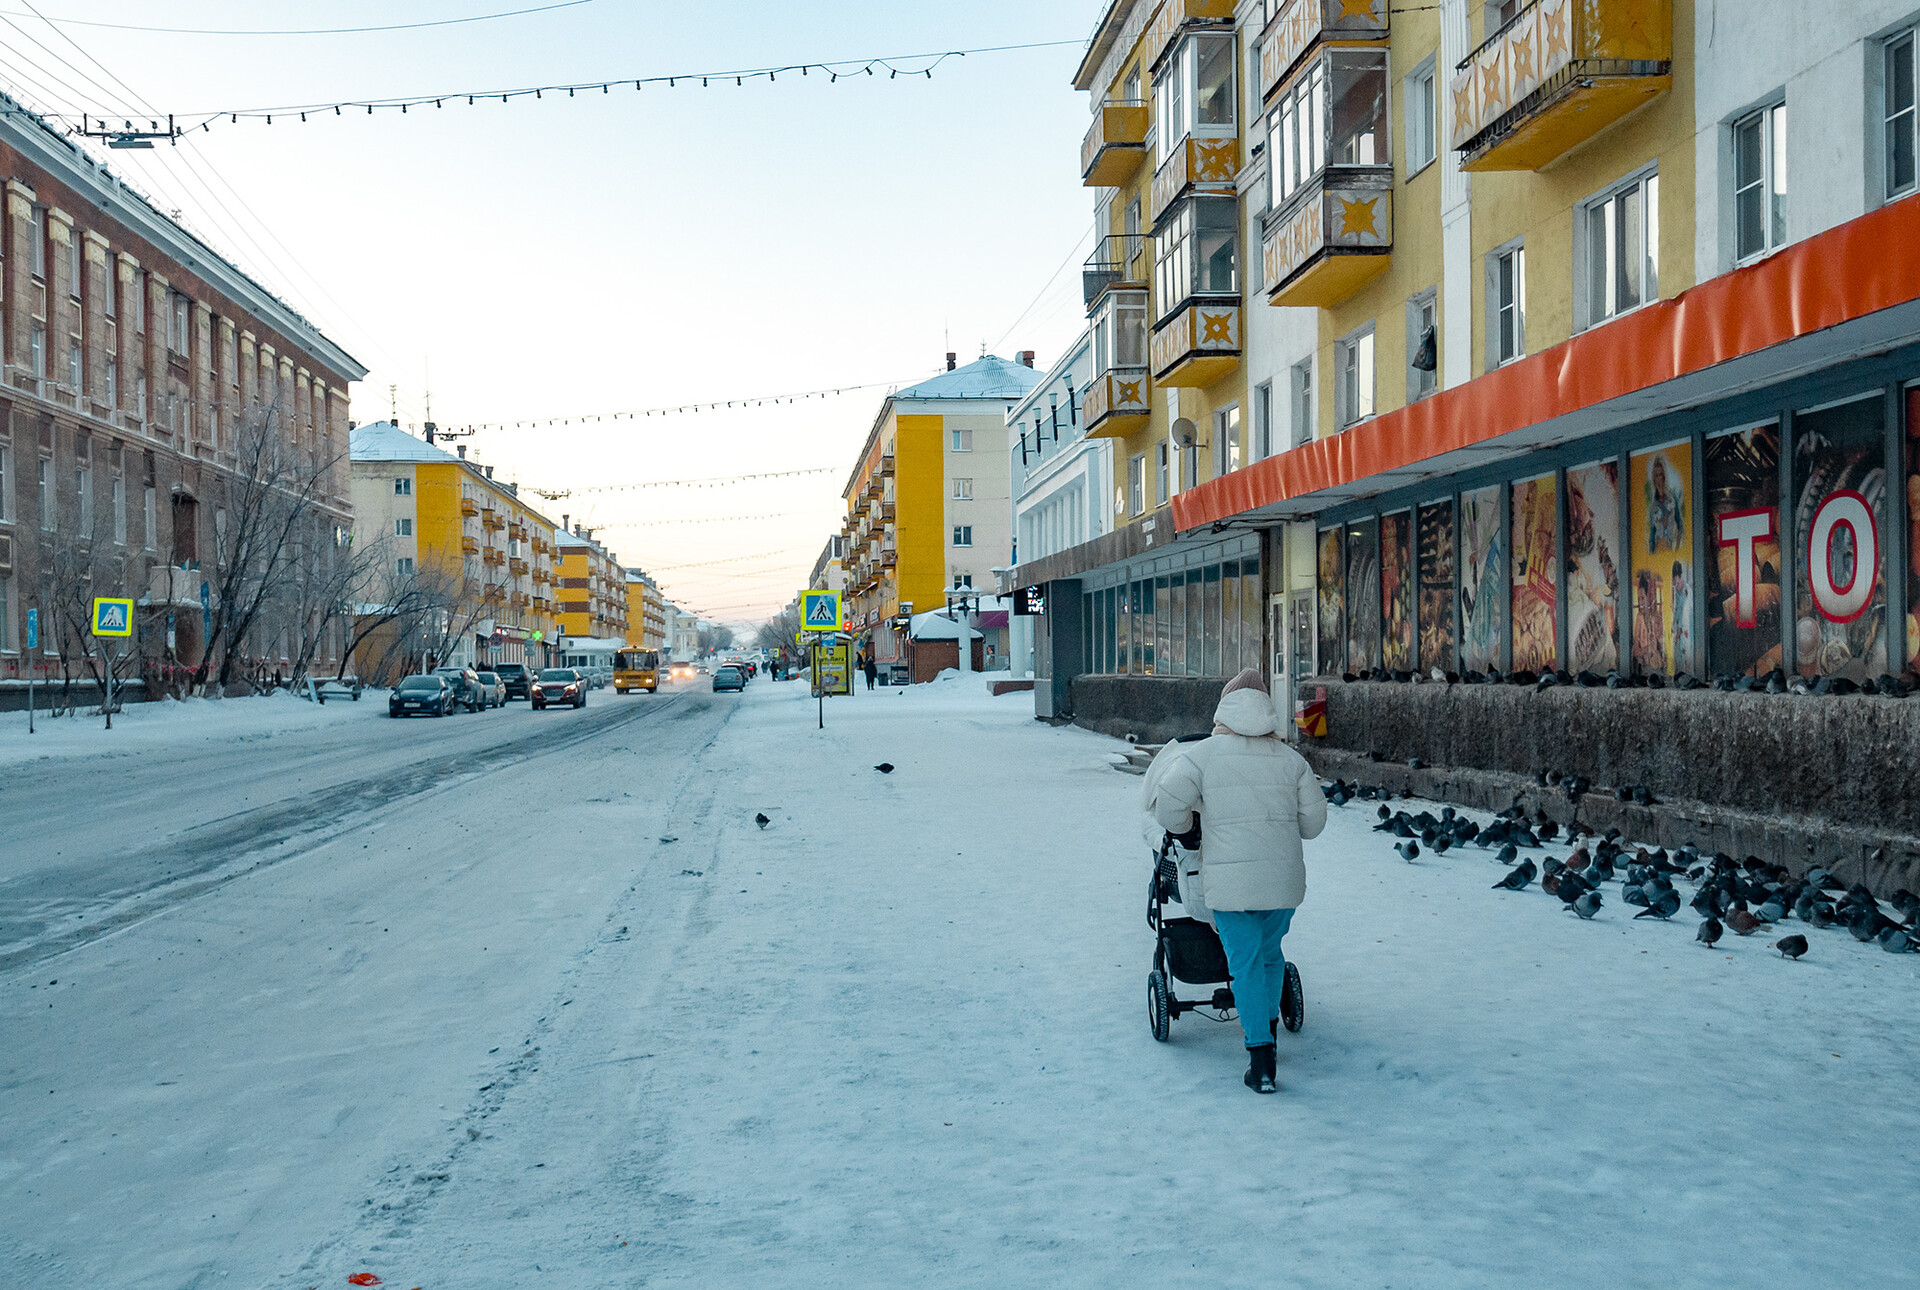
x=1191, y=838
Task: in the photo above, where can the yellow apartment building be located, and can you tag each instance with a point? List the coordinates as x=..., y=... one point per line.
x=590, y=587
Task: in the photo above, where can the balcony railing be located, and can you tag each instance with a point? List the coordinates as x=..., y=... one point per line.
x=886, y=464
x=470, y=546
x=1304, y=25
x=1115, y=144
x=1174, y=16
x=494, y=555
x=1557, y=74
x=1117, y=403
x=1198, y=345
x=469, y=507
x=1332, y=239
x=1196, y=164
x=1118, y=260
x=518, y=566
x=490, y=520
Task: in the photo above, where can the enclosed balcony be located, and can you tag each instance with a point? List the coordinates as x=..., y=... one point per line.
x=470, y=546
x=469, y=507
x=1175, y=16
x=1117, y=403
x=1115, y=144
x=490, y=520
x=1119, y=262
x=1336, y=237
x=1554, y=76
x=1197, y=346
x=1304, y=27
x=1197, y=164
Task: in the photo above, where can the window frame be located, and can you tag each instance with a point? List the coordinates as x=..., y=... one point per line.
x=1300, y=395
x=1348, y=354
x=1423, y=311
x=1262, y=401
x=1413, y=99
x=1908, y=128
x=1227, y=453
x=1498, y=354
x=1605, y=205
x=1769, y=121
x=963, y=535
x=962, y=439
x=1137, y=484
x=403, y=526
x=962, y=488
x=1163, y=469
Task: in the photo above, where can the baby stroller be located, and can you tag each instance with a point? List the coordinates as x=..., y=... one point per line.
x=1190, y=950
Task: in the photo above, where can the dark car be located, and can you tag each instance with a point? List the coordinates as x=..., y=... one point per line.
x=729, y=677
x=422, y=696
x=559, y=687
x=466, y=684
x=517, y=678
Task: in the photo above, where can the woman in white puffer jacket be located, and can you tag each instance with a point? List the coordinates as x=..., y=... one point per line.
x=1258, y=801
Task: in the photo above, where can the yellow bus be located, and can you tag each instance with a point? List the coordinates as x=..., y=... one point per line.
x=636, y=669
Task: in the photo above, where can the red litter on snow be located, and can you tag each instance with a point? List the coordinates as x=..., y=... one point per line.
x=363, y=1279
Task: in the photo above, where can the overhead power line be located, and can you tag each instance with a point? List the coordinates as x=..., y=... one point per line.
x=715, y=481
x=306, y=31
x=752, y=401
x=709, y=519
x=732, y=559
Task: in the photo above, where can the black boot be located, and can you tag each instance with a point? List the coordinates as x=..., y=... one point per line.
x=1260, y=1069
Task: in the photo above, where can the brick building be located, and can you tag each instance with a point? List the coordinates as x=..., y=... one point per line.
x=146, y=380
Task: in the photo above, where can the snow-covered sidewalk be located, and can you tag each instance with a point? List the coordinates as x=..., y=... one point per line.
x=898, y=1036
x=180, y=725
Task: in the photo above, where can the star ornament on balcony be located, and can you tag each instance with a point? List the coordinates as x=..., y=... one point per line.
x=1129, y=391
x=1357, y=218
x=1356, y=9
x=1216, y=327
x=1556, y=32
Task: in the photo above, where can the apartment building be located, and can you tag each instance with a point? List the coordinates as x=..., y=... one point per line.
x=590, y=586
x=646, y=612
x=1582, y=340
x=459, y=550
x=929, y=500
x=145, y=377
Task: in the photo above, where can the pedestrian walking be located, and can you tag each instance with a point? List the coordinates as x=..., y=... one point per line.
x=867, y=666
x=1257, y=801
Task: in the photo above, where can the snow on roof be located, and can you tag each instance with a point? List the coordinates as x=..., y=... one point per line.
x=987, y=377
x=934, y=625
x=385, y=441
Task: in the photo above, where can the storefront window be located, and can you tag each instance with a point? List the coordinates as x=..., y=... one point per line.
x=1123, y=631
x=1196, y=616
x=1210, y=623
x=1143, y=626
x=1330, y=620
x=1250, y=619
x=1913, y=527
x=1839, y=486
x=1396, y=591
x=1162, y=615
x=1436, y=586
x=1662, y=546
x=1363, y=596
x=1483, y=597
x=1743, y=542
x=1229, y=619
x=1536, y=526
x=1177, y=627
x=1593, y=567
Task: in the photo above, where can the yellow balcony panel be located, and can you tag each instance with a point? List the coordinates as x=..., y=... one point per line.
x=518, y=566
x=469, y=507
x=1337, y=238
x=1115, y=144
x=1198, y=345
x=886, y=464
x=1196, y=164
x=1558, y=74
x=1117, y=403
x=470, y=546
x=1174, y=16
x=1304, y=26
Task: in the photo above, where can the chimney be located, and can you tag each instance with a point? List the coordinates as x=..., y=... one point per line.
x=564, y=524
x=430, y=429
x=1026, y=358
x=489, y=470
x=462, y=450
x=951, y=356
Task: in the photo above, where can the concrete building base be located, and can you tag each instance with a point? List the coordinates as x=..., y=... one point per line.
x=1153, y=709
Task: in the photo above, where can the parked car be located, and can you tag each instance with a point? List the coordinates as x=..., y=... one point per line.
x=494, y=688
x=560, y=687
x=517, y=678
x=729, y=677
x=466, y=684
x=430, y=695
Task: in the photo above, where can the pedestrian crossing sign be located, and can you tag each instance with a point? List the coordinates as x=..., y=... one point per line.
x=820, y=611
x=112, y=617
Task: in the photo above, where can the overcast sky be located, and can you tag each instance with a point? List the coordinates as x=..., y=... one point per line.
x=626, y=250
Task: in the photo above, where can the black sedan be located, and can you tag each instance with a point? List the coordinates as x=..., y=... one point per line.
x=559, y=687
x=519, y=679
x=423, y=696
x=729, y=677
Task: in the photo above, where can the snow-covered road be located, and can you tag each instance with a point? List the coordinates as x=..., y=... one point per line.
x=501, y=1031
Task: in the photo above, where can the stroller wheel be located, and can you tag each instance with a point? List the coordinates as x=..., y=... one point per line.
x=1293, y=1005
x=1157, y=1004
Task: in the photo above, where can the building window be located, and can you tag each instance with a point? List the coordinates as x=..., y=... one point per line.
x=403, y=487
x=1301, y=392
x=403, y=566
x=962, y=440
x=1120, y=331
x=4, y=463
x=73, y=364
x=148, y=513
x=1900, y=116
x=83, y=492
x=1137, y=483
x=1507, y=304
x=1163, y=478
x=403, y=528
x=119, y=511
x=962, y=580
x=1226, y=438
x=1262, y=421
x=113, y=381
x=46, y=495
x=1195, y=253
x=37, y=349
x=6, y=614
x=1621, y=246
x=40, y=243
x=1297, y=135
x=1422, y=141
x=963, y=535
x=1760, y=182
x=1423, y=345
x=177, y=339
x=962, y=490
x=1353, y=364
x=1196, y=89
x=110, y=288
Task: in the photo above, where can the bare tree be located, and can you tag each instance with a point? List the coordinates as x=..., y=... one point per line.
x=395, y=602
x=75, y=567
x=784, y=632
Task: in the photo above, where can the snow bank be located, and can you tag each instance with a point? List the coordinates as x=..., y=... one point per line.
x=175, y=723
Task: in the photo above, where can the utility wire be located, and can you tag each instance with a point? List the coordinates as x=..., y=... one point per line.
x=715, y=481
x=756, y=400
x=308, y=31
x=710, y=519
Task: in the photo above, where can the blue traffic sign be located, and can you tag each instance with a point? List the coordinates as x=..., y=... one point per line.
x=33, y=629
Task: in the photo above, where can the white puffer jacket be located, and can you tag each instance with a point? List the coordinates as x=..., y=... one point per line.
x=1257, y=799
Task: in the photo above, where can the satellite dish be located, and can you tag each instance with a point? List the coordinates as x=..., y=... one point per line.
x=1185, y=433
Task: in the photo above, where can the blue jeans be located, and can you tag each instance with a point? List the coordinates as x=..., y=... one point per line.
x=1251, y=938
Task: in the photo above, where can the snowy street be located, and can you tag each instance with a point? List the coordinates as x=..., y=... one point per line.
x=531, y=998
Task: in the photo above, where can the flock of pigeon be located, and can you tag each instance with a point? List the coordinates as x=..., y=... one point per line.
x=1743, y=897
x=1774, y=682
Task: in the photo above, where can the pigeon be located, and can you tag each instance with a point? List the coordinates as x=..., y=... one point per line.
x=1742, y=922
x=1409, y=850
x=666, y=841
x=1587, y=904
x=1507, y=854
x=1709, y=932
x=1665, y=907
x=1790, y=947
x=1518, y=878
x=1771, y=911
x=760, y=818
x=885, y=768
x=1894, y=940
x=1549, y=831
x=1441, y=843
